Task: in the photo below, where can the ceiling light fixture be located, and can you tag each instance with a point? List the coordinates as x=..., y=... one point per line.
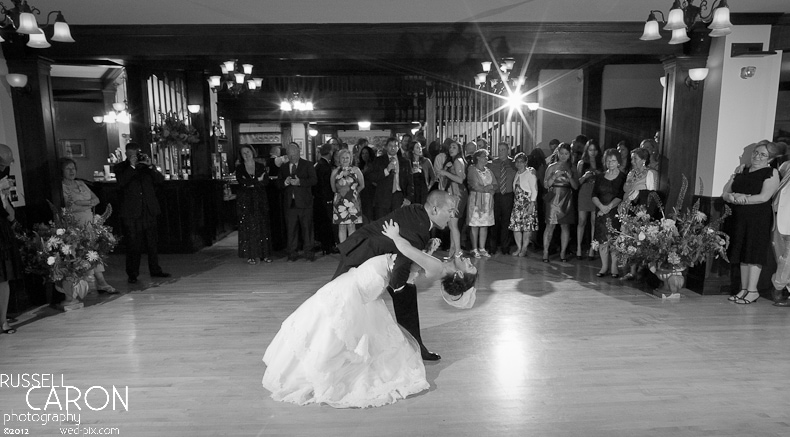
x=497, y=80
x=22, y=20
x=235, y=79
x=683, y=15
x=296, y=103
x=118, y=114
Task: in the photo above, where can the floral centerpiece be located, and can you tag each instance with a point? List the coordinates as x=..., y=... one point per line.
x=173, y=131
x=64, y=251
x=669, y=244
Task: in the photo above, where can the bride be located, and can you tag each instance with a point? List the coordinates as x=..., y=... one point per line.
x=342, y=346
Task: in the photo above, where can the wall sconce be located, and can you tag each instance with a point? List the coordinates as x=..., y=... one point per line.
x=193, y=109
x=747, y=72
x=364, y=125
x=313, y=132
x=18, y=82
x=663, y=80
x=696, y=75
x=98, y=119
x=533, y=106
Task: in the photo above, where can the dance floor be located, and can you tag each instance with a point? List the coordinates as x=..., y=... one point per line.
x=548, y=350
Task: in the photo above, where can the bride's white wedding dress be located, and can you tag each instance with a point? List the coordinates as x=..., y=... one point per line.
x=342, y=346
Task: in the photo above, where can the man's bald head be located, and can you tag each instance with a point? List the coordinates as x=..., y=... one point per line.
x=6, y=156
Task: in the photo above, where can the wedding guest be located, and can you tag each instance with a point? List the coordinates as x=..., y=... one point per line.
x=392, y=176
x=451, y=168
x=781, y=237
x=368, y=195
x=749, y=193
x=361, y=144
x=577, y=148
x=422, y=172
x=505, y=171
x=323, y=197
x=606, y=196
x=139, y=210
x=274, y=196
x=552, y=158
x=80, y=201
x=346, y=181
x=652, y=147
x=296, y=180
x=10, y=261
x=561, y=180
x=625, y=163
x=537, y=160
x=639, y=183
x=252, y=208
x=589, y=166
x=524, y=217
x=482, y=185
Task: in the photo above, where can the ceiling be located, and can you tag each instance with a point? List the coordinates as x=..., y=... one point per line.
x=360, y=13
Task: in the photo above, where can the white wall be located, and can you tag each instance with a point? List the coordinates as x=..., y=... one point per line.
x=560, y=96
x=736, y=112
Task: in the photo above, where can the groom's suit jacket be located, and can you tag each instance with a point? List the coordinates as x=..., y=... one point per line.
x=368, y=242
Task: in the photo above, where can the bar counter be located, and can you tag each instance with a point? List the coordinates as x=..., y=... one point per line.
x=195, y=213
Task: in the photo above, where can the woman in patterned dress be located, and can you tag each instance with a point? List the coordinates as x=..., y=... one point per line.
x=524, y=218
x=347, y=182
x=607, y=195
x=482, y=184
x=450, y=167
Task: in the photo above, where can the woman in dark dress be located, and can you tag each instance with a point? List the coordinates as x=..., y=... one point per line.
x=10, y=262
x=588, y=167
x=749, y=194
x=368, y=194
x=561, y=180
x=253, y=208
x=606, y=195
x=421, y=171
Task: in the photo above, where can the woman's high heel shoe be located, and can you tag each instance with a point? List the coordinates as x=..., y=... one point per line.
x=750, y=297
x=737, y=296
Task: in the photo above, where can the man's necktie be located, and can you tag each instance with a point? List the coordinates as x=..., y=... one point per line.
x=502, y=177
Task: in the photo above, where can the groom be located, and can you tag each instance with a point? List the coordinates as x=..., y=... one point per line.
x=415, y=223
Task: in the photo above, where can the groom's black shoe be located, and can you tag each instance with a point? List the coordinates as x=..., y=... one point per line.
x=428, y=355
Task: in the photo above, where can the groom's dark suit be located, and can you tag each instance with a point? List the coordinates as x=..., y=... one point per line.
x=368, y=241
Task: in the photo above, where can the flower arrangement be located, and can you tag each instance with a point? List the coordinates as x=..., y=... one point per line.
x=673, y=242
x=172, y=130
x=64, y=248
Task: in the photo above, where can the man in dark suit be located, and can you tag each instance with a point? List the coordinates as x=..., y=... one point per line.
x=297, y=178
x=139, y=208
x=323, y=195
x=415, y=223
x=391, y=175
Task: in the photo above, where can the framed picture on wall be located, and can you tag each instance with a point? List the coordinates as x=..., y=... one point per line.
x=73, y=148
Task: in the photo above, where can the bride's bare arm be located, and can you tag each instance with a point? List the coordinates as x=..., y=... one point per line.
x=431, y=265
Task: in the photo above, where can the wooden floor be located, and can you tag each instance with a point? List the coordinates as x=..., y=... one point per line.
x=548, y=350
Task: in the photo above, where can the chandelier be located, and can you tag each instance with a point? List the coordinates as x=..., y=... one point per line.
x=235, y=79
x=296, y=103
x=498, y=80
x=684, y=14
x=22, y=20
x=118, y=114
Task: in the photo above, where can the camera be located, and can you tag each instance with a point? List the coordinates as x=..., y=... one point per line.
x=143, y=157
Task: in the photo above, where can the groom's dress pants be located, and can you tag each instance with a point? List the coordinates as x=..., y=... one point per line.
x=406, y=313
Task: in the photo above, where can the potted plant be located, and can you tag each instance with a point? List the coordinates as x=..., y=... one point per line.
x=670, y=244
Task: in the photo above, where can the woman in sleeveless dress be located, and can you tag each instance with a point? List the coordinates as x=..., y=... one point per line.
x=343, y=347
x=640, y=182
x=588, y=167
x=451, y=169
x=80, y=201
x=347, y=182
x=524, y=218
x=607, y=195
x=482, y=183
x=749, y=194
x=561, y=180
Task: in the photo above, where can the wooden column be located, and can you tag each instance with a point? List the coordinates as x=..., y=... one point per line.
x=111, y=129
x=137, y=99
x=680, y=127
x=35, y=128
x=592, y=102
x=198, y=94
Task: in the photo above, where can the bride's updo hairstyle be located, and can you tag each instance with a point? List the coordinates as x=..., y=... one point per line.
x=457, y=283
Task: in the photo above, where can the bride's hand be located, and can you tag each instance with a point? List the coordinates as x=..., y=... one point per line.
x=391, y=229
